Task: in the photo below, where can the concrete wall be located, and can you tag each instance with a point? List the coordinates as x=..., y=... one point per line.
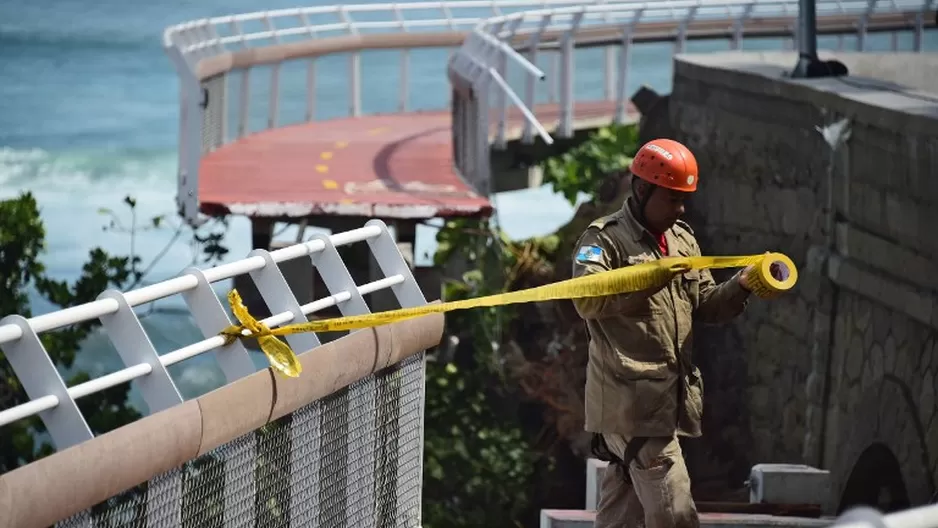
x=849, y=359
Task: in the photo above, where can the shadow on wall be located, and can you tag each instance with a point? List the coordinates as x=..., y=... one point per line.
x=876, y=480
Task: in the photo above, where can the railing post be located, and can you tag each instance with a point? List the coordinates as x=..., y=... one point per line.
x=190, y=137
x=273, y=108
x=134, y=347
x=553, y=84
x=864, y=22
x=609, y=65
x=681, y=42
x=624, y=60
x=359, y=495
x=566, y=76
x=501, y=97
x=919, y=35
x=40, y=378
x=527, y=133
x=244, y=94
x=355, y=68
x=391, y=262
x=404, y=95
x=244, y=105
x=217, y=90
x=278, y=297
x=480, y=134
x=310, y=73
x=410, y=460
x=739, y=26
x=210, y=316
x=609, y=74
x=355, y=80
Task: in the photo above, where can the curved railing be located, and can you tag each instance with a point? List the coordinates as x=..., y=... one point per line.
x=481, y=66
x=249, y=72
x=55, y=403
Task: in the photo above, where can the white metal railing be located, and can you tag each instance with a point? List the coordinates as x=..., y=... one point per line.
x=482, y=61
x=204, y=101
x=55, y=403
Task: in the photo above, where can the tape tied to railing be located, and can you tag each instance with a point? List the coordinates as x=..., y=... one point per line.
x=771, y=275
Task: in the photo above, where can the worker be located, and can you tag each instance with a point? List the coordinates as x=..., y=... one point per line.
x=642, y=391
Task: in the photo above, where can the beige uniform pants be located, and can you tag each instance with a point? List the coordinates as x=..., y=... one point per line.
x=658, y=495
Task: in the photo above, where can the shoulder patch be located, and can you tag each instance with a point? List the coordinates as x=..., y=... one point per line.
x=601, y=223
x=590, y=253
x=640, y=259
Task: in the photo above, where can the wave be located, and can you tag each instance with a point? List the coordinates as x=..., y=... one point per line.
x=40, y=169
x=14, y=39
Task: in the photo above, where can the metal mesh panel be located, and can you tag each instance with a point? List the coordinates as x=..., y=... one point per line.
x=213, y=118
x=352, y=459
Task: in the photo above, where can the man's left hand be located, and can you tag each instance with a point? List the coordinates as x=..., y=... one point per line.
x=744, y=277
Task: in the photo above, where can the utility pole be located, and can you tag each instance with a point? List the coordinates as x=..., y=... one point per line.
x=809, y=65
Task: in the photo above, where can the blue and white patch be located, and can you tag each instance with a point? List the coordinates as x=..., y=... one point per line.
x=589, y=254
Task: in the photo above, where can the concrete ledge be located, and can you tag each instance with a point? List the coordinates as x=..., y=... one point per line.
x=887, y=256
x=585, y=519
x=919, y=305
x=788, y=484
x=886, y=104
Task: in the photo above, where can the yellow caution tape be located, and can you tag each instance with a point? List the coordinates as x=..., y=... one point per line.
x=772, y=274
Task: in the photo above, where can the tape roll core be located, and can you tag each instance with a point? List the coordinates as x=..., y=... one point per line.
x=772, y=276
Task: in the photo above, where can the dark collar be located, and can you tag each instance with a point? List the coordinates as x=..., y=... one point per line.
x=637, y=229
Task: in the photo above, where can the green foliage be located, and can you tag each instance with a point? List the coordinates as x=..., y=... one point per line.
x=478, y=466
x=609, y=150
x=22, y=242
x=479, y=463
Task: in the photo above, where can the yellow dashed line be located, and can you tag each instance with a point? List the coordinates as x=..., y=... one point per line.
x=379, y=130
x=330, y=184
x=345, y=201
x=322, y=168
x=326, y=155
x=341, y=144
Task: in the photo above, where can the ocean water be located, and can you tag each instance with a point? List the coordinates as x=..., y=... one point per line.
x=88, y=115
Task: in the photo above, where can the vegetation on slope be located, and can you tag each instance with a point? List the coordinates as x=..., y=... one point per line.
x=22, y=244
x=504, y=403
x=504, y=424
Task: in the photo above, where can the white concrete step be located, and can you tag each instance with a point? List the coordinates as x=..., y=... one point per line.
x=782, y=484
x=584, y=519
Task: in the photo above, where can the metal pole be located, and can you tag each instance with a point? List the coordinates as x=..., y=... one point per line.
x=809, y=65
x=807, y=29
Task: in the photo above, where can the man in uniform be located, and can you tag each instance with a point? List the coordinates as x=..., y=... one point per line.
x=642, y=391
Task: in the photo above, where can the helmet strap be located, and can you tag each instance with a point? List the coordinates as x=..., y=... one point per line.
x=641, y=201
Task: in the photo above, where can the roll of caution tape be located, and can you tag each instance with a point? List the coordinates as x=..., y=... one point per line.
x=772, y=274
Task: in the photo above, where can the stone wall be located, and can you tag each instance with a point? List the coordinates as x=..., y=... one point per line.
x=849, y=358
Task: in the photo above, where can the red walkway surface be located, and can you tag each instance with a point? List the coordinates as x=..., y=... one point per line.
x=388, y=166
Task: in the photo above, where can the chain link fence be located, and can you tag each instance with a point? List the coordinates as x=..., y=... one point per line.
x=351, y=459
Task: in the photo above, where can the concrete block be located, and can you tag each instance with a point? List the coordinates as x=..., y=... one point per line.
x=788, y=484
x=595, y=469
x=567, y=519
x=585, y=519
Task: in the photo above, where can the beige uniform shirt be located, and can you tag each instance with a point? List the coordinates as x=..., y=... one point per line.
x=640, y=380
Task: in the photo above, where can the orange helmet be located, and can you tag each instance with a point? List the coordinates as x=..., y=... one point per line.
x=666, y=163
